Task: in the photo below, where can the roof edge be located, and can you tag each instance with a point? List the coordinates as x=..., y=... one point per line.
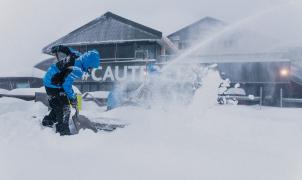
x=196, y=22
x=157, y=33
x=130, y=22
x=46, y=50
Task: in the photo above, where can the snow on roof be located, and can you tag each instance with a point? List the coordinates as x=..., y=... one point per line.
x=3, y=91
x=107, y=28
x=203, y=26
x=25, y=91
x=29, y=91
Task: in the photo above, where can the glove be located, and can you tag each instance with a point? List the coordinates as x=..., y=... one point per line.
x=74, y=103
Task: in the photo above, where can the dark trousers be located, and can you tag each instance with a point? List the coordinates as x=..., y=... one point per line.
x=59, y=111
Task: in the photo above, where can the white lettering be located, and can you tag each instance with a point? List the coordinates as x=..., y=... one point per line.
x=85, y=76
x=93, y=75
x=108, y=74
x=133, y=71
x=117, y=71
x=137, y=73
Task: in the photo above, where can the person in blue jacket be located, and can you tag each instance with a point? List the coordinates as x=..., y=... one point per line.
x=114, y=98
x=58, y=82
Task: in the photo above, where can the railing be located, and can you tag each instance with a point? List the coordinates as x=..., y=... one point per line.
x=281, y=99
x=288, y=100
x=245, y=98
x=89, y=97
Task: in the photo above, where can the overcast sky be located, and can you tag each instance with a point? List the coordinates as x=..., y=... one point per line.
x=28, y=26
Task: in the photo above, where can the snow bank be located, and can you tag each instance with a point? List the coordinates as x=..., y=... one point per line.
x=3, y=91
x=30, y=91
x=25, y=91
x=201, y=141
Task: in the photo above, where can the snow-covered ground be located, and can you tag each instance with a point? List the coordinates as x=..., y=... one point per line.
x=200, y=141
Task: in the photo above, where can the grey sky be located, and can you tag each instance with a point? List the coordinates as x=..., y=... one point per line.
x=27, y=26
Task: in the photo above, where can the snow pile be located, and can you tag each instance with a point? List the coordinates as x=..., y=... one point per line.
x=2, y=91
x=201, y=141
x=25, y=91
x=29, y=91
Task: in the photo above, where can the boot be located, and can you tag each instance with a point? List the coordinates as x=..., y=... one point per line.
x=63, y=129
x=47, y=122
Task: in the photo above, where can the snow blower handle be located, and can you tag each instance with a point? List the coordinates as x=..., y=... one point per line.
x=75, y=122
x=77, y=112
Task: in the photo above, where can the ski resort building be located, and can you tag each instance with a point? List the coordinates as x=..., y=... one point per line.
x=245, y=57
x=196, y=32
x=126, y=47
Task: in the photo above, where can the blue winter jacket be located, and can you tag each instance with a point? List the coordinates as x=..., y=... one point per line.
x=114, y=98
x=90, y=59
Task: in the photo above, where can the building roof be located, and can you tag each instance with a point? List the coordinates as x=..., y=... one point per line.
x=196, y=30
x=44, y=65
x=108, y=28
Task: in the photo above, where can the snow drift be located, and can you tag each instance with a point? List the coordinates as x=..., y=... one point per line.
x=202, y=141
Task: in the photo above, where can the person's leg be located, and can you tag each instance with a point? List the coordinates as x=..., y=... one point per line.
x=50, y=119
x=63, y=125
x=63, y=115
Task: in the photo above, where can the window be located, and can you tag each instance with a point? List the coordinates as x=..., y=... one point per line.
x=22, y=85
x=4, y=84
x=149, y=48
x=125, y=50
x=106, y=51
x=94, y=87
x=141, y=54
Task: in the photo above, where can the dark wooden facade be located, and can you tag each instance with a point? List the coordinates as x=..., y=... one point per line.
x=124, y=51
x=10, y=83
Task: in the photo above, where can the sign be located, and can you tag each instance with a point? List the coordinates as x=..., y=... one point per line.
x=119, y=73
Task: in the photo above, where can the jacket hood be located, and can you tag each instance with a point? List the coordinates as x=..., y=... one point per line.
x=91, y=59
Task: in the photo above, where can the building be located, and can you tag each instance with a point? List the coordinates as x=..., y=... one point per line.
x=245, y=57
x=198, y=31
x=216, y=37
x=125, y=47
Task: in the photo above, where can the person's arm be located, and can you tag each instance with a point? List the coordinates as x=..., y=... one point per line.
x=67, y=85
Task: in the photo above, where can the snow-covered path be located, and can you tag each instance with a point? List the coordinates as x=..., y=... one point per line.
x=221, y=142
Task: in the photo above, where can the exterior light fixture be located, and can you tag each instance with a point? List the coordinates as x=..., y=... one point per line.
x=284, y=72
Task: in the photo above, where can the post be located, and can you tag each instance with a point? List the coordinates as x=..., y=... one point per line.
x=261, y=96
x=281, y=97
x=115, y=51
